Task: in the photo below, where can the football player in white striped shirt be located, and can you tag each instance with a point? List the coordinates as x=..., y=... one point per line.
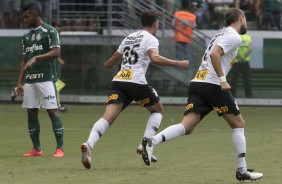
x=209, y=91
x=136, y=52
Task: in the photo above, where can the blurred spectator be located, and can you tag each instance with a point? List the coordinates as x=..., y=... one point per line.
x=270, y=14
x=217, y=9
x=199, y=8
x=241, y=65
x=12, y=17
x=184, y=22
x=101, y=16
x=170, y=5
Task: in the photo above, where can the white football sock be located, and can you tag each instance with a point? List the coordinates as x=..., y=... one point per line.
x=153, y=124
x=169, y=133
x=97, y=131
x=239, y=144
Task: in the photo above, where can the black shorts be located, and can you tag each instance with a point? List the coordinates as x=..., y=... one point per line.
x=204, y=97
x=143, y=94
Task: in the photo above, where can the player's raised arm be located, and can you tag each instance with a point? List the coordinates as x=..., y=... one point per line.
x=163, y=61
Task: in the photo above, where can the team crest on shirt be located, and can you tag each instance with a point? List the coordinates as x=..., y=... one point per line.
x=38, y=36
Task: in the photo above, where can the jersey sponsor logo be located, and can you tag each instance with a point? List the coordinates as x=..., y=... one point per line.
x=34, y=47
x=113, y=97
x=189, y=106
x=221, y=110
x=144, y=101
x=124, y=75
x=201, y=74
x=34, y=76
x=49, y=97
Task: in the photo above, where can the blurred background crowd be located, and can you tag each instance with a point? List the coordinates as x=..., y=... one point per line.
x=90, y=15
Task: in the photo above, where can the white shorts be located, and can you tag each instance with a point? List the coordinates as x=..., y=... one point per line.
x=38, y=95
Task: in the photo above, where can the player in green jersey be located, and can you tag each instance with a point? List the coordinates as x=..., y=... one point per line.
x=41, y=48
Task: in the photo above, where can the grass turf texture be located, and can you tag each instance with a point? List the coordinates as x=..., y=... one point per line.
x=205, y=157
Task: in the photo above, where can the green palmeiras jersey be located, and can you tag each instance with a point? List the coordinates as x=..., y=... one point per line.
x=36, y=42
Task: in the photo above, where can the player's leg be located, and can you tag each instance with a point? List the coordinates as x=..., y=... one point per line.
x=239, y=143
x=195, y=110
x=117, y=101
x=31, y=101
x=99, y=128
x=152, y=126
x=111, y=113
x=238, y=139
x=147, y=96
x=58, y=130
x=49, y=100
x=227, y=106
x=154, y=120
x=187, y=125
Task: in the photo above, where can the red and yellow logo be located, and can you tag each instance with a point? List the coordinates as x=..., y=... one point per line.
x=113, y=97
x=189, y=106
x=221, y=109
x=143, y=102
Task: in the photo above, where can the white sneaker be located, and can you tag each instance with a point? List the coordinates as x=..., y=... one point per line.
x=86, y=155
x=147, y=150
x=140, y=150
x=248, y=175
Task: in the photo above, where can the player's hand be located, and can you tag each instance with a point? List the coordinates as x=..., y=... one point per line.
x=29, y=63
x=20, y=90
x=61, y=61
x=183, y=64
x=225, y=86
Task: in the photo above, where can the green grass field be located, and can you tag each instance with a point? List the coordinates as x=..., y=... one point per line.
x=205, y=157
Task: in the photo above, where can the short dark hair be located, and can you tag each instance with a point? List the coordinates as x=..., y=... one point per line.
x=148, y=18
x=33, y=7
x=232, y=15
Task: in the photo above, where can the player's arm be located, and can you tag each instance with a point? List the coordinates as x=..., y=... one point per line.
x=21, y=76
x=215, y=56
x=113, y=60
x=61, y=61
x=157, y=59
x=53, y=53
